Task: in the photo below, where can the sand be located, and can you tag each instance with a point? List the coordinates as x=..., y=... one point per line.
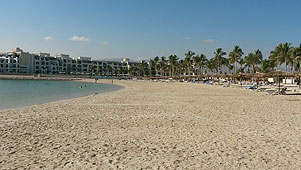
x=153, y=125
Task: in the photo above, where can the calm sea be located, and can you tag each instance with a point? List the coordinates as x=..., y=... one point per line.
x=19, y=93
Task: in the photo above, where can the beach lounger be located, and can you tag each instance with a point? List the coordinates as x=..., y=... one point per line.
x=282, y=92
x=252, y=87
x=271, y=91
x=261, y=89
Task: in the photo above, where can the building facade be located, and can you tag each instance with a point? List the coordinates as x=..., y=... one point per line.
x=19, y=61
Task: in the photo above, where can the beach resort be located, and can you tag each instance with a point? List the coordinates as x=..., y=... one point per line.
x=191, y=113
x=150, y=85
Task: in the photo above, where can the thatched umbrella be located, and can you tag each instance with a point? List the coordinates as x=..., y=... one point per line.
x=256, y=76
x=279, y=74
x=239, y=76
x=218, y=76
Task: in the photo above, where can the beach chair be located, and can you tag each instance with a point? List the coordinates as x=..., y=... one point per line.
x=281, y=92
x=262, y=89
x=271, y=91
x=252, y=87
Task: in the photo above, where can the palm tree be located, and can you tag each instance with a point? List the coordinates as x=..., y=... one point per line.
x=282, y=53
x=235, y=55
x=133, y=71
x=296, y=58
x=200, y=61
x=92, y=69
x=218, y=57
x=141, y=68
x=100, y=70
x=212, y=65
x=195, y=60
x=109, y=69
x=163, y=65
x=173, y=60
x=266, y=66
x=120, y=71
x=181, y=67
x=253, y=59
x=275, y=59
x=156, y=64
x=188, y=62
x=152, y=66
x=241, y=62
x=226, y=62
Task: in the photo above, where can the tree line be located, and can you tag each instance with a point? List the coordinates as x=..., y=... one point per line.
x=235, y=62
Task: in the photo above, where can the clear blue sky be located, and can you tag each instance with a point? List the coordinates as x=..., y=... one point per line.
x=142, y=29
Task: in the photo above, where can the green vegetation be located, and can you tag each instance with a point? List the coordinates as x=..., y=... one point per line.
x=194, y=64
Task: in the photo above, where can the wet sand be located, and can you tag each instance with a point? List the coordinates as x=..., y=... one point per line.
x=153, y=125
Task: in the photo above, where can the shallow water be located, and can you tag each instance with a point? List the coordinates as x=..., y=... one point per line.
x=20, y=93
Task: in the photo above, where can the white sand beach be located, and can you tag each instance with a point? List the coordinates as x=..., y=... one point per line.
x=154, y=125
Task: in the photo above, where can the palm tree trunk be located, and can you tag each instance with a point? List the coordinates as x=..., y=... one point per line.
x=234, y=67
x=285, y=70
x=285, y=66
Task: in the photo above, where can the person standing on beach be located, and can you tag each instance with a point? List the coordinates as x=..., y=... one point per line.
x=112, y=82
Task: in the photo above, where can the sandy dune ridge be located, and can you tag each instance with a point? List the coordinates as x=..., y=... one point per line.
x=152, y=125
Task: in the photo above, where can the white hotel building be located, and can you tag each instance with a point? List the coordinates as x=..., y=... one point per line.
x=19, y=61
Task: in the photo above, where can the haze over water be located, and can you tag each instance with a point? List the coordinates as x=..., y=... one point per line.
x=20, y=93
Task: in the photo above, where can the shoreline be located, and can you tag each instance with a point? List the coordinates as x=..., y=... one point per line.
x=156, y=125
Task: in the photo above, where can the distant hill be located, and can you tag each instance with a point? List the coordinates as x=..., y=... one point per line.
x=120, y=59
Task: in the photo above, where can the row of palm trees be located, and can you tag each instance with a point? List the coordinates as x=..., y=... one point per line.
x=236, y=62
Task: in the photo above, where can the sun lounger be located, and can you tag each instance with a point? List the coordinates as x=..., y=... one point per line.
x=252, y=87
x=262, y=89
x=281, y=92
x=271, y=91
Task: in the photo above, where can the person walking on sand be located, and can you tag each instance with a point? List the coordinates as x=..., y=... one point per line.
x=112, y=82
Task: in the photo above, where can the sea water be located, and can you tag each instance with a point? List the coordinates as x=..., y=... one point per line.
x=20, y=93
